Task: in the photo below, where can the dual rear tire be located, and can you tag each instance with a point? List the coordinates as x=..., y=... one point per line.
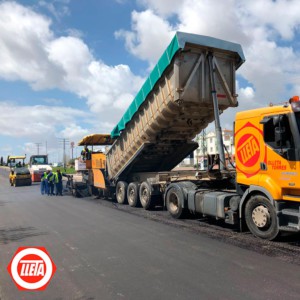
x=147, y=200
x=135, y=194
x=121, y=192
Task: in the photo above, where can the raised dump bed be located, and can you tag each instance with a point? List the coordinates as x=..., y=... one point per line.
x=174, y=105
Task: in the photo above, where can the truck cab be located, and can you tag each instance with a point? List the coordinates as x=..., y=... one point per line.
x=38, y=164
x=267, y=164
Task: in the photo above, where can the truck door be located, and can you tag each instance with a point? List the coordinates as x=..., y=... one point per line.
x=278, y=173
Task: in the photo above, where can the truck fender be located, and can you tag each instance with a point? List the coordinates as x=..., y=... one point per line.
x=184, y=187
x=252, y=189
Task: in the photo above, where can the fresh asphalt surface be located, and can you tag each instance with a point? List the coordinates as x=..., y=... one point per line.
x=102, y=252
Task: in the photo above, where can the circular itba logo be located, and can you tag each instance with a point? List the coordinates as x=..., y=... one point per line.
x=250, y=153
x=31, y=268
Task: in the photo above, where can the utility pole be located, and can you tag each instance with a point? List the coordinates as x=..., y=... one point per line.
x=38, y=147
x=72, y=148
x=64, y=142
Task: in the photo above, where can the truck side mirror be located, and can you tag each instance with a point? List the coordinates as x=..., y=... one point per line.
x=280, y=136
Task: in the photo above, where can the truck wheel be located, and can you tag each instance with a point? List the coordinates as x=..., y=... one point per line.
x=121, y=192
x=174, y=200
x=261, y=218
x=145, y=195
x=133, y=194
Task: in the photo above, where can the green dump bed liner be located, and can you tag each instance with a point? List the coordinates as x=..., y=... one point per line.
x=174, y=105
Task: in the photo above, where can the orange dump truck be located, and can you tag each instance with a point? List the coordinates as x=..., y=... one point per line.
x=193, y=82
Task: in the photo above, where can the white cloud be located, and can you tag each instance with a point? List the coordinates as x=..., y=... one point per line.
x=270, y=68
x=123, y=102
x=146, y=41
x=106, y=85
x=29, y=51
x=246, y=93
x=35, y=121
x=23, y=39
x=75, y=33
x=48, y=124
x=53, y=101
x=281, y=17
x=267, y=31
x=57, y=8
x=218, y=20
x=73, y=131
x=163, y=8
x=121, y=1
x=41, y=125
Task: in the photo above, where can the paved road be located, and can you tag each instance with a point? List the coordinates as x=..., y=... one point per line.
x=102, y=252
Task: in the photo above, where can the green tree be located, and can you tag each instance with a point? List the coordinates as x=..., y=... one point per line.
x=71, y=162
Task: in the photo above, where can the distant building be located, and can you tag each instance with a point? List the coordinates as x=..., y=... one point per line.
x=211, y=142
x=208, y=146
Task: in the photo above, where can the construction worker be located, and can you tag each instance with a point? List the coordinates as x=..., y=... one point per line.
x=44, y=183
x=50, y=178
x=58, y=182
x=86, y=153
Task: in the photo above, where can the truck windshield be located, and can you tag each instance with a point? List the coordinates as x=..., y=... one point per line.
x=40, y=160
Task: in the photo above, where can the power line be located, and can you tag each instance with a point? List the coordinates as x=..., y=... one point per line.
x=72, y=148
x=38, y=147
x=64, y=142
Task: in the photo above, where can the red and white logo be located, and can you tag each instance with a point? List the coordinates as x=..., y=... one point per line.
x=250, y=152
x=31, y=268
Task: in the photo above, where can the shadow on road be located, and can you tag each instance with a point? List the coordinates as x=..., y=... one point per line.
x=8, y=235
x=292, y=239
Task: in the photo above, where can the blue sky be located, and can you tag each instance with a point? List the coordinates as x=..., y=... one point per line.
x=71, y=67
